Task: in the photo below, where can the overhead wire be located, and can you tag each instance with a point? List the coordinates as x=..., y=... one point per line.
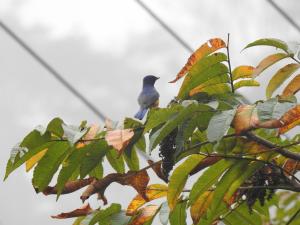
x=167, y=28
x=284, y=14
x=52, y=71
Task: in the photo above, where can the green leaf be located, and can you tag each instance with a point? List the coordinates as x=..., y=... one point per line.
x=116, y=161
x=241, y=215
x=214, y=81
x=280, y=76
x=131, y=159
x=195, y=79
x=179, y=178
x=267, y=62
x=232, y=174
x=167, y=128
x=270, y=42
x=242, y=72
x=158, y=116
x=164, y=213
x=69, y=167
x=55, y=127
x=208, y=178
x=93, y=156
x=97, y=172
x=78, y=221
x=120, y=218
x=219, y=124
x=105, y=214
x=245, y=83
x=48, y=165
x=273, y=109
x=178, y=215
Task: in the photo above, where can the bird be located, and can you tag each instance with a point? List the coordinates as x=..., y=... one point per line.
x=149, y=97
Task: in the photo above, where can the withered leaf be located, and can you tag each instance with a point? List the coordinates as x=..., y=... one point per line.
x=119, y=139
x=82, y=211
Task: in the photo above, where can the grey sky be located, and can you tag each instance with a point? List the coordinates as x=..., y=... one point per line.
x=104, y=48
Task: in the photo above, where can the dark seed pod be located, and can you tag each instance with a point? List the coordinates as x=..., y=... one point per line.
x=167, y=150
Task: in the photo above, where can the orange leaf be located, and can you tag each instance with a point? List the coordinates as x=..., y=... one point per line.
x=83, y=211
x=146, y=214
x=268, y=61
x=153, y=191
x=209, y=47
x=293, y=87
x=290, y=119
x=242, y=72
x=30, y=163
x=200, y=207
x=119, y=139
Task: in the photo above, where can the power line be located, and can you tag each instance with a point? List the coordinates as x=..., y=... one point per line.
x=285, y=15
x=51, y=70
x=165, y=26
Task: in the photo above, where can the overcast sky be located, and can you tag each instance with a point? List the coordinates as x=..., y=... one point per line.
x=104, y=48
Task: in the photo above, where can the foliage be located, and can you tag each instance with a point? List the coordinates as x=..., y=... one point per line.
x=241, y=146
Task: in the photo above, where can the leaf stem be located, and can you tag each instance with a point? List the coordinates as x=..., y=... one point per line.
x=293, y=217
x=229, y=64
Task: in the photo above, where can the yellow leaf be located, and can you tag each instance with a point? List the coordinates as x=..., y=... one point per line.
x=199, y=208
x=245, y=83
x=293, y=87
x=280, y=76
x=153, y=191
x=119, y=139
x=204, y=50
x=268, y=61
x=211, y=89
x=30, y=163
x=242, y=72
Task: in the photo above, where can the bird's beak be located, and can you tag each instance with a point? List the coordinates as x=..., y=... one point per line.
x=157, y=78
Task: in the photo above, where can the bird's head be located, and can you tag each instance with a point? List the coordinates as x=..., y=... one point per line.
x=149, y=80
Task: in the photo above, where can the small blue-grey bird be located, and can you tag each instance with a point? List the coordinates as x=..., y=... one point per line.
x=148, y=97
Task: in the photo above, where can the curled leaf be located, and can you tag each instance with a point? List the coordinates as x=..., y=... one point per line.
x=204, y=50
x=270, y=42
x=119, y=139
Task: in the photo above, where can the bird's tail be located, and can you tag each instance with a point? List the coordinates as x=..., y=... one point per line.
x=141, y=113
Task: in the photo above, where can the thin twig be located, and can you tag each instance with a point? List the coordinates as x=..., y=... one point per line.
x=293, y=217
x=229, y=64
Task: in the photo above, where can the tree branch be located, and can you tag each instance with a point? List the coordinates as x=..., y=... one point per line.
x=229, y=64
x=269, y=144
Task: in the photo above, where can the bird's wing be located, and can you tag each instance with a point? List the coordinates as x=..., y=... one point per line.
x=148, y=98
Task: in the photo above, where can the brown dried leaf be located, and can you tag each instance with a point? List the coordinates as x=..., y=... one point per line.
x=82, y=211
x=153, y=191
x=145, y=215
x=138, y=180
x=293, y=87
x=119, y=139
x=204, y=50
x=208, y=161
